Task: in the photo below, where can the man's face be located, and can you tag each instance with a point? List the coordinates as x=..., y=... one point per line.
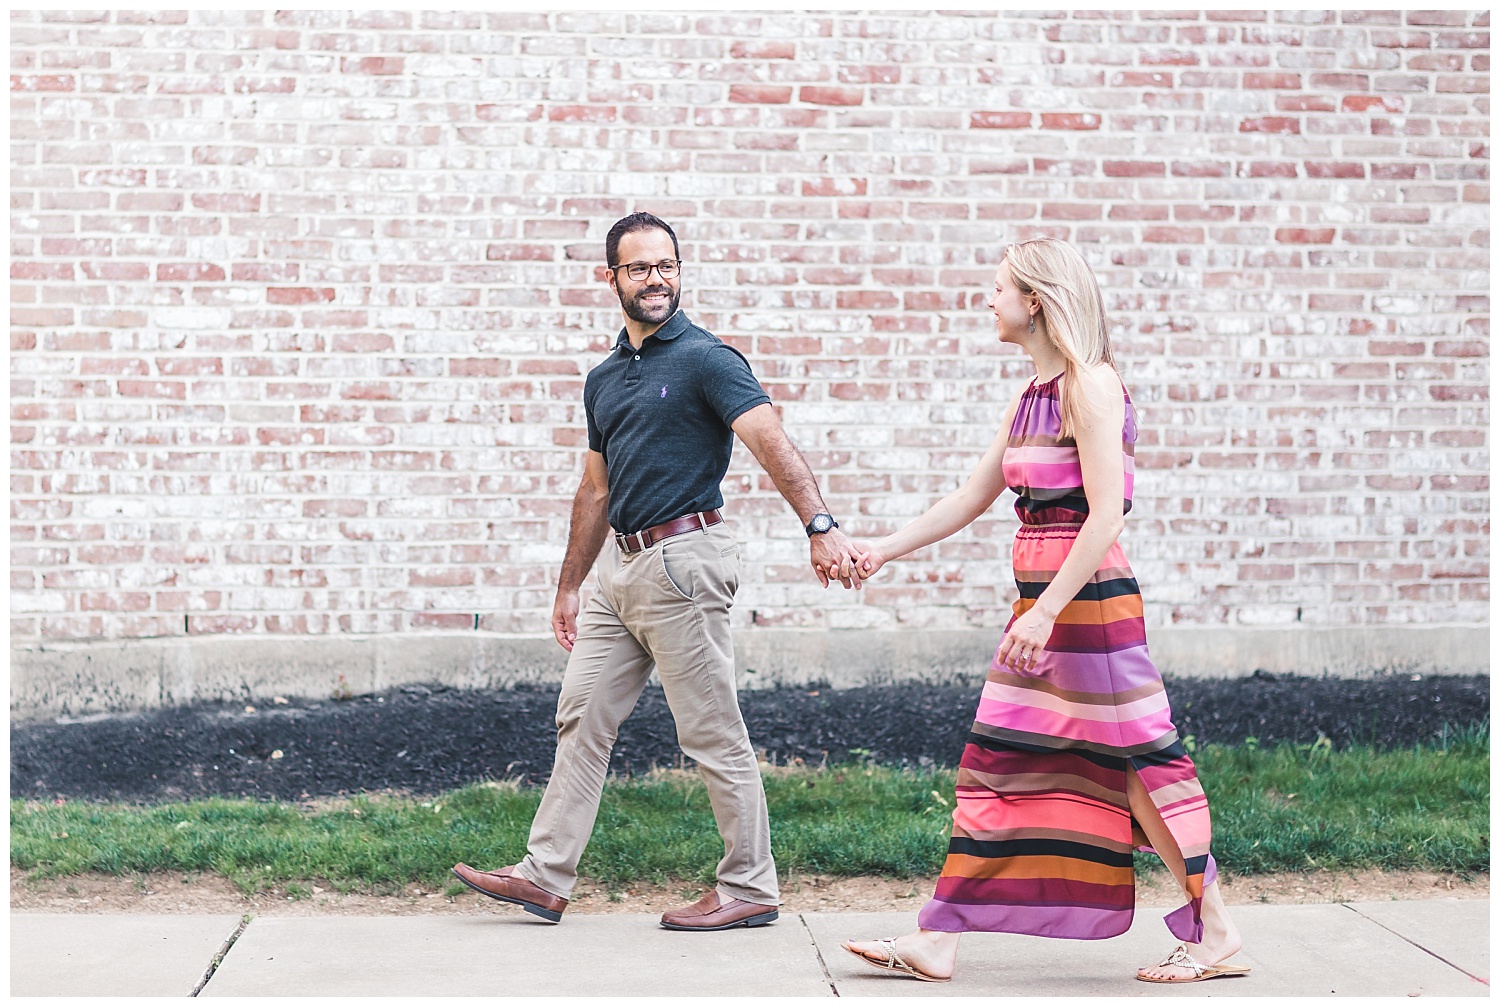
x=652, y=300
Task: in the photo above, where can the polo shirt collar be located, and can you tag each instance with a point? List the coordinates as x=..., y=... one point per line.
x=671, y=329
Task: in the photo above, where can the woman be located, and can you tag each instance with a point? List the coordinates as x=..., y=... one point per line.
x=1072, y=761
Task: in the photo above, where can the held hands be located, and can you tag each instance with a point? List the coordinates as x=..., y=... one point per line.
x=835, y=558
x=1022, y=646
x=872, y=558
x=565, y=619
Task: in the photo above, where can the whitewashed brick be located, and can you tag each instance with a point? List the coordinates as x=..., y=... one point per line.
x=322, y=317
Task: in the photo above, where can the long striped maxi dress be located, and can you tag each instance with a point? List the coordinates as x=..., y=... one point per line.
x=1042, y=831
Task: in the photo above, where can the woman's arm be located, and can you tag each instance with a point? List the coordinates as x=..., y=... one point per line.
x=1101, y=458
x=954, y=511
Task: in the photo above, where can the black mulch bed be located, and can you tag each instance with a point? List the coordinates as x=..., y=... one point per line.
x=427, y=739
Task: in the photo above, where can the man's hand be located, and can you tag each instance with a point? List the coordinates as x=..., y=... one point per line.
x=565, y=619
x=835, y=558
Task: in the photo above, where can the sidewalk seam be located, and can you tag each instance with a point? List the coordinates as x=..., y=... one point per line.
x=828, y=976
x=1414, y=944
x=218, y=958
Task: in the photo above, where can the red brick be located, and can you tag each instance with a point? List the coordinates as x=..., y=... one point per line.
x=380, y=66
x=821, y=95
x=1304, y=103
x=1305, y=236
x=1334, y=169
x=869, y=74
x=1167, y=57
x=152, y=389
x=191, y=272
x=299, y=295
x=788, y=346
x=1070, y=120
x=1136, y=78
x=43, y=82
x=1270, y=124
x=1173, y=235
x=1272, y=81
x=361, y=342
x=1340, y=81
x=1134, y=169
x=582, y=113
x=759, y=49
x=866, y=300
x=1071, y=211
x=1272, y=169
x=1392, y=103
x=999, y=120
x=760, y=94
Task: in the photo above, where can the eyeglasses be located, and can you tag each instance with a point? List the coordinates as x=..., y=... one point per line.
x=666, y=269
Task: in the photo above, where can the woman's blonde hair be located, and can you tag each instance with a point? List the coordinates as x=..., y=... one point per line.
x=1072, y=310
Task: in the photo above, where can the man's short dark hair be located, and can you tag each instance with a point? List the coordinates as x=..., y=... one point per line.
x=641, y=221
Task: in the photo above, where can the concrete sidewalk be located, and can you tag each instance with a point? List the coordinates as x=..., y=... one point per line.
x=1430, y=948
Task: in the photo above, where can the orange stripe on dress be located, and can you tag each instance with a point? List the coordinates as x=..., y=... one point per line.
x=1036, y=866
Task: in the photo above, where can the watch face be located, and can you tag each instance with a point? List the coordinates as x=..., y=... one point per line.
x=821, y=523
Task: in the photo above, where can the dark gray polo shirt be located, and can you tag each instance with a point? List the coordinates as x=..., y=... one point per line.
x=660, y=417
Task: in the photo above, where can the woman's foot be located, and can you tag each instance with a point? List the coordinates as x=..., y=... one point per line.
x=1221, y=939
x=932, y=953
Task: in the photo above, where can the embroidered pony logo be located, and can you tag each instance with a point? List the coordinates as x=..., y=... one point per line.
x=663, y=391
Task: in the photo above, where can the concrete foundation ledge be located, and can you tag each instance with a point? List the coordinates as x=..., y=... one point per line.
x=84, y=679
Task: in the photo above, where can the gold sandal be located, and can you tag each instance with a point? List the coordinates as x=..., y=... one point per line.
x=893, y=962
x=1201, y=972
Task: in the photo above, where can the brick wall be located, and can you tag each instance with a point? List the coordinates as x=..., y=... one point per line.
x=302, y=302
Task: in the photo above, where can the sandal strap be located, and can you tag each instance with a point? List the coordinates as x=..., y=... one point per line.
x=893, y=957
x=1185, y=960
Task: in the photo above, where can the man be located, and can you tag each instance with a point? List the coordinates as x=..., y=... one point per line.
x=662, y=409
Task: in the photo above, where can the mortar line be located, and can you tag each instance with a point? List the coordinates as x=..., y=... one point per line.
x=828, y=976
x=1414, y=944
x=218, y=958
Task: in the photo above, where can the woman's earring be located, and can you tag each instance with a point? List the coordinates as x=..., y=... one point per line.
x=1031, y=326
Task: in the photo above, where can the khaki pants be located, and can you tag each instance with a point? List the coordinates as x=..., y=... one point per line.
x=666, y=606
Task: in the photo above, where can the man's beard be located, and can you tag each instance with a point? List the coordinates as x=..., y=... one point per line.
x=636, y=311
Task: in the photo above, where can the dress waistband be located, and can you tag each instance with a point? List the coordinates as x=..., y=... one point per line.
x=1050, y=526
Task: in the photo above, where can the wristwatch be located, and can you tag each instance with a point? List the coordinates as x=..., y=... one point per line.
x=821, y=523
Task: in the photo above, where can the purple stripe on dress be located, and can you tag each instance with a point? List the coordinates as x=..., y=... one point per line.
x=1044, y=421
x=1120, y=671
x=1067, y=922
x=1186, y=922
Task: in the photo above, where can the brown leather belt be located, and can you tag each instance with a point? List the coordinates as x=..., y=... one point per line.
x=638, y=541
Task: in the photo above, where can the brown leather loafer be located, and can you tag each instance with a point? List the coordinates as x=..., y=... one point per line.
x=707, y=914
x=508, y=886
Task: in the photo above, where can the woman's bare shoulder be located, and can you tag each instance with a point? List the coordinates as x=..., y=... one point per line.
x=1102, y=391
x=1099, y=377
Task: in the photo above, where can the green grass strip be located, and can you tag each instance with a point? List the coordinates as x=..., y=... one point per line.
x=1287, y=808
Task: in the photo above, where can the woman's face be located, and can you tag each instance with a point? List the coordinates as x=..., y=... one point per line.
x=1011, y=307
